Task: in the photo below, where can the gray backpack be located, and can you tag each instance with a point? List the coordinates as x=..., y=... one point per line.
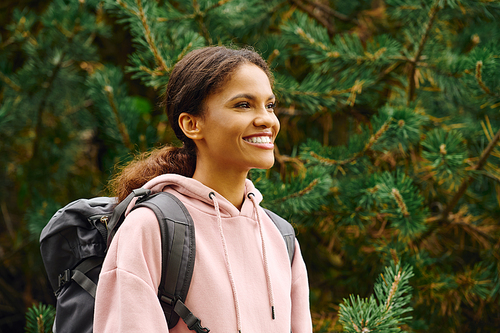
x=75, y=240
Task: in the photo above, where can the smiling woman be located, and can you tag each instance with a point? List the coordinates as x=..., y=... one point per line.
x=235, y=133
x=220, y=104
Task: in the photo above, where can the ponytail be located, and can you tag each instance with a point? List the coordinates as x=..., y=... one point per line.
x=146, y=166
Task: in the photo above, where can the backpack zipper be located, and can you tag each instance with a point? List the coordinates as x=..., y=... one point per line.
x=104, y=219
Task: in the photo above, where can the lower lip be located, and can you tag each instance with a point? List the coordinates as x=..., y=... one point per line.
x=261, y=145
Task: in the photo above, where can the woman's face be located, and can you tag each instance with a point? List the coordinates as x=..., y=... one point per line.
x=239, y=124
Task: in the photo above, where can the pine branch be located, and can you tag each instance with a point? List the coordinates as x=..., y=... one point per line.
x=153, y=73
x=7, y=219
x=373, y=139
x=121, y=126
x=150, y=39
x=413, y=63
x=127, y=8
x=9, y=82
x=465, y=184
x=479, y=78
x=283, y=159
x=332, y=12
x=330, y=28
x=218, y=4
x=199, y=15
x=41, y=106
x=400, y=201
x=392, y=292
x=302, y=192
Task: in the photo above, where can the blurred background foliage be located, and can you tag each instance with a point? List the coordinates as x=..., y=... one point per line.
x=388, y=148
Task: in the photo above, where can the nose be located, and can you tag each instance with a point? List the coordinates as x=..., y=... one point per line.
x=266, y=119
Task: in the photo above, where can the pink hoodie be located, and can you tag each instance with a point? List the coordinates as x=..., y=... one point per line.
x=241, y=270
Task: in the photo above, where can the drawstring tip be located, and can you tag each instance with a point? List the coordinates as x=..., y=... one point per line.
x=272, y=310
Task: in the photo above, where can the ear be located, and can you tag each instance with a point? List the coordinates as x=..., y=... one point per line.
x=190, y=125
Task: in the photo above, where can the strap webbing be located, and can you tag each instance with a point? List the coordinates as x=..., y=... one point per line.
x=89, y=264
x=84, y=282
x=192, y=322
x=78, y=275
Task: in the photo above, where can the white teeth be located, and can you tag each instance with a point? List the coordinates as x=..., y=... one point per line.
x=259, y=139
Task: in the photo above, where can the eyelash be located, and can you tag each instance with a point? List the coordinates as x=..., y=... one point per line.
x=246, y=104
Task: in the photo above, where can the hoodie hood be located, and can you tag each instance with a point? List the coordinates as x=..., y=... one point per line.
x=196, y=191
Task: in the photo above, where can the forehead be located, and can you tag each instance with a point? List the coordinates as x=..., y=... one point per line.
x=248, y=79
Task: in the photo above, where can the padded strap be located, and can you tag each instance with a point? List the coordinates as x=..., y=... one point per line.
x=175, y=259
x=117, y=217
x=178, y=250
x=286, y=230
x=192, y=322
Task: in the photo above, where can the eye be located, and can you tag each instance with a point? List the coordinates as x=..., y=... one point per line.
x=243, y=105
x=271, y=106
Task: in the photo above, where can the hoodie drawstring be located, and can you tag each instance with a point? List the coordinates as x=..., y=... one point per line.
x=226, y=260
x=251, y=196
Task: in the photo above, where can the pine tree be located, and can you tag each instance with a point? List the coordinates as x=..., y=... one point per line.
x=388, y=147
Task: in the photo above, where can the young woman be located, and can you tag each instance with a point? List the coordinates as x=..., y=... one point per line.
x=220, y=104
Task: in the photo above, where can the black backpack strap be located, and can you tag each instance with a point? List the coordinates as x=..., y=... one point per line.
x=119, y=212
x=286, y=230
x=178, y=255
x=78, y=274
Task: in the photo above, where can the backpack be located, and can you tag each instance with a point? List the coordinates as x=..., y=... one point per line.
x=74, y=242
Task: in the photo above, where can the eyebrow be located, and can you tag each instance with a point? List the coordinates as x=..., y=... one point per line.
x=248, y=96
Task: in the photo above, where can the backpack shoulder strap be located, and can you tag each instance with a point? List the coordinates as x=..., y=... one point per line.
x=178, y=254
x=286, y=230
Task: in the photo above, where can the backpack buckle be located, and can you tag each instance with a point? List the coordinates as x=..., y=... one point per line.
x=198, y=328
x=64, y=278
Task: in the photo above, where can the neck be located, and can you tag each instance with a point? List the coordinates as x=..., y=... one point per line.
x=229, y=184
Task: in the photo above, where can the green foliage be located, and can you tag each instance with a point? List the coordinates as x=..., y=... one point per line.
x=388, y=145
x=385, y=311
x=39, y=319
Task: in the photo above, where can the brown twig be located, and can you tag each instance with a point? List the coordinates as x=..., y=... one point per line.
x=9, y=82
x=330, y=28
x=393, y=290
x=302, y=192
x=150, y=39
x=373, y=139
x=218, y=4
x=41, y=106
x=125, y=7
x=283, y=159
x=199, y=15
x=479, y=77
x=121, y=126
x=329, y=11
x=465, y=184
x=413, y=63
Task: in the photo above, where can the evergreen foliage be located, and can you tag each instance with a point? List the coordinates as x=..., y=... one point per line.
x=388, y=145
x=39, y=319
x=384, y=311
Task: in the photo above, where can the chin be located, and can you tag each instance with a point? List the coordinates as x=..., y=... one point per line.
x=265, y=165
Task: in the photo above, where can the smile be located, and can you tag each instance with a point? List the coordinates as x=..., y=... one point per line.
x=258, y=139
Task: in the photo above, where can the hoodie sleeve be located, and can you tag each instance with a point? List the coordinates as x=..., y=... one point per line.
x=301, y=313
x=126, y=299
